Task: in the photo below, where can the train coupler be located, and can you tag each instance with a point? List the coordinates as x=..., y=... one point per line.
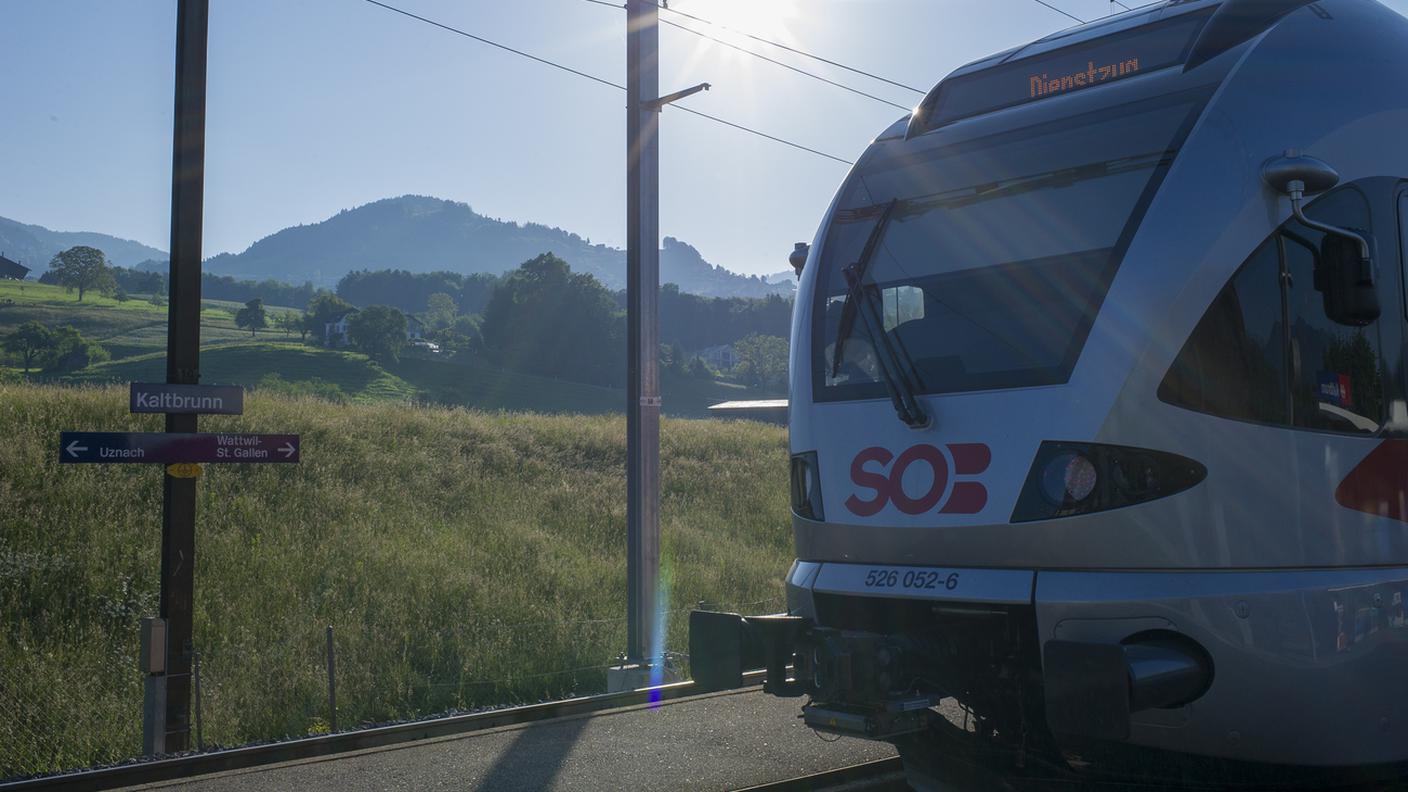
x=724, y=645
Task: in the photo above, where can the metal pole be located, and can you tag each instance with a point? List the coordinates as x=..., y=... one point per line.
x=642, y=319
x=332, y=686
x=183, y=356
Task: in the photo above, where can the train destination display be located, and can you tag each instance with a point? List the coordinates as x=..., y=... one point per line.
x=161, y=397
x=169, y=448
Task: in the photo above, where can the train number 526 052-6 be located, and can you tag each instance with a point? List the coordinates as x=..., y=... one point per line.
x=917, y=579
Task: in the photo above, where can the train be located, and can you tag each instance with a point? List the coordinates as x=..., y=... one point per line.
x=1099, y=415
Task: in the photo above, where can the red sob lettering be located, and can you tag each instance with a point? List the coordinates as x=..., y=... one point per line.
x=928, y=500
x=966, y=497
x=875, y=481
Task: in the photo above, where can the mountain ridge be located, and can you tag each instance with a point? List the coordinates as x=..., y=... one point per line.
x=419, y=234
x=34, y=245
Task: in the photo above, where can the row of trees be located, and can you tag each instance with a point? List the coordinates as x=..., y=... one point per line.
x=411, y=292
x=540, y=318
x=688, y=320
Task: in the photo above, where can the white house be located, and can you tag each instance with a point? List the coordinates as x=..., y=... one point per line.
x=335, y=332
x=721, y=357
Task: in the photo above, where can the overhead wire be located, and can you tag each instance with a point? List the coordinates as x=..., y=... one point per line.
x=787, y=66
x=1059, y=10
x=601, y=80
x=763, y=57
x=779, y=45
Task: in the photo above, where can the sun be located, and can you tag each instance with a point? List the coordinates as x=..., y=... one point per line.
x=769, y=19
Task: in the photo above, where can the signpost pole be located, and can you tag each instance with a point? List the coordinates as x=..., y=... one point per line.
x=183, y=357
x=642, y=319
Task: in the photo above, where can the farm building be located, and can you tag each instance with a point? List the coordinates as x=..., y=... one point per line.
x=12, y=270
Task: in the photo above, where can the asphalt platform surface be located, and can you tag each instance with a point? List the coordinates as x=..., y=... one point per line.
x=713, y=742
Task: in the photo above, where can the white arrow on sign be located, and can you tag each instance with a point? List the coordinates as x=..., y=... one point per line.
x=288, y=450
x=74, y=448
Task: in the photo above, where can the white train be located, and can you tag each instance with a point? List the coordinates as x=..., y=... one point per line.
x=1099, y=412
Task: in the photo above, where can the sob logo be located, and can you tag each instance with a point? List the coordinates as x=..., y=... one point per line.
x=871, y=469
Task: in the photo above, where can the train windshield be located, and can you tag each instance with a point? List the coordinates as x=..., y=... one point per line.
x=997, y=255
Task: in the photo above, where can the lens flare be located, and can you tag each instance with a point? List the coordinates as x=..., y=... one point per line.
x=662, y=626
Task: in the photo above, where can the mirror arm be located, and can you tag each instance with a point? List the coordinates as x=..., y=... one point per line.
x=1296, y=190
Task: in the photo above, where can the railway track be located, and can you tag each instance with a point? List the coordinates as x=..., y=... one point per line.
x=199, y=764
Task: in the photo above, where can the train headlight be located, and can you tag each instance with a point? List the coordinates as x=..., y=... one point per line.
x=1067, y=479
x=806, y=486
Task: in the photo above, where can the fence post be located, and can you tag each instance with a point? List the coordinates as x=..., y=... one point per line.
x=153, y=666
x=332, y=685
x=200, y=721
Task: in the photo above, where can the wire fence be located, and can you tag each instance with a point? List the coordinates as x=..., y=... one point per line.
x=62, y=713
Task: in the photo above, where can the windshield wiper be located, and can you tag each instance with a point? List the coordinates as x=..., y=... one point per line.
x=861, y=301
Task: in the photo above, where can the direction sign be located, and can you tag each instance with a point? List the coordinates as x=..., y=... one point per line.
x=170, y=447
x=161, y=397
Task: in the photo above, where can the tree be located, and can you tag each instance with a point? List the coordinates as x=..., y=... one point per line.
x=762, y=361
x=545, y=319
x=321, y=310
x=71, y=351
x=29, y=342
x=83, y=268
x=379, y=331
x=461, y=339
x=440, y=311
x=252, y=316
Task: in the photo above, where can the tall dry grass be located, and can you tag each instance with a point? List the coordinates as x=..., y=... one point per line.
x=464, y=559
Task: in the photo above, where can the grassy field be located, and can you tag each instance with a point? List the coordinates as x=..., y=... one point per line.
x=463, y=558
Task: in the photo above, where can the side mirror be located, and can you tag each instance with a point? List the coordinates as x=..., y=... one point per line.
x=1345, y=271
x=798, y=257
x=1347, y=289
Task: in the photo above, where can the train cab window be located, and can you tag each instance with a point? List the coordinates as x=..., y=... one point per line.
x=1267, y=351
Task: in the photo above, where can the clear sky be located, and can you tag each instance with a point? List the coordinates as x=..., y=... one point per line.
x=320, y=105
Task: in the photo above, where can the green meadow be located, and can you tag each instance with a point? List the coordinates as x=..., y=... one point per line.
x=134, y=334
x=463, y=558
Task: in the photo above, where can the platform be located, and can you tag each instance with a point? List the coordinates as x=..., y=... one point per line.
x=717, y=741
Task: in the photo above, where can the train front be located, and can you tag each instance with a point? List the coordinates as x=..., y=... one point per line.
x=1011, y=549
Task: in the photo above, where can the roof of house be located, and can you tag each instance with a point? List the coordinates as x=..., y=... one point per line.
x=12, y=269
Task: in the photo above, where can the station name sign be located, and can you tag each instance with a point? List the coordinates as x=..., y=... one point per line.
x=175, y=448
x=159, y=397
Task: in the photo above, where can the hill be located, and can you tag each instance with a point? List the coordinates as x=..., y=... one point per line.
x=463, y=559
x=421, y=234
x=134, y=333
x=33, y=245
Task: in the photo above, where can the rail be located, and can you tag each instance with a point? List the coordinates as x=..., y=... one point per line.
x=885, y=775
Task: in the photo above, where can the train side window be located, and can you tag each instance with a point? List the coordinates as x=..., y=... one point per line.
x=1234, y=363
x=1337, y=379
x=1266, y=351
x=1403, y=243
